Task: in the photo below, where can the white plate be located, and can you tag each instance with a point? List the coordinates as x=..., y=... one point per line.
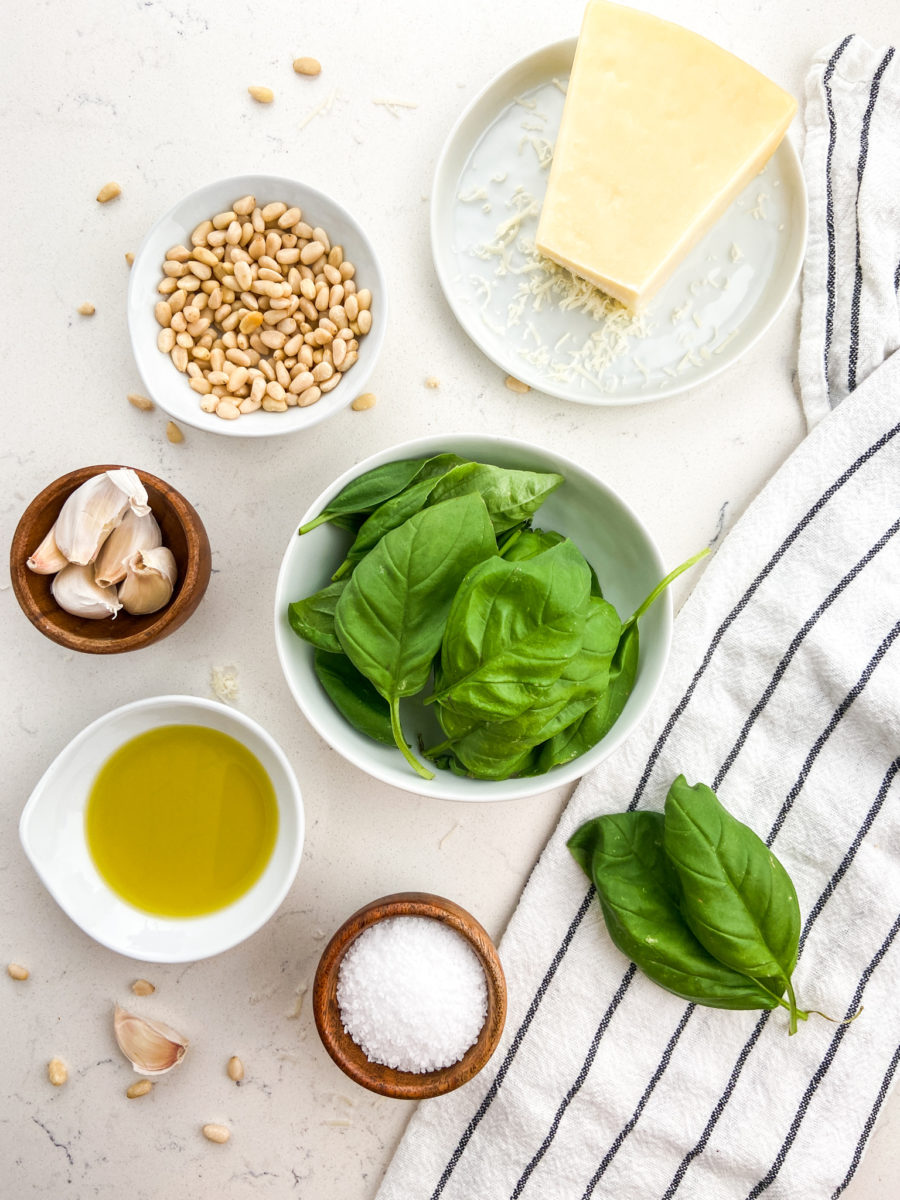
x=718, y=303
x=52, y=833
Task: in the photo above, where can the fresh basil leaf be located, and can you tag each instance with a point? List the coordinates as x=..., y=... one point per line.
x=623, y=855
x=493, y=749
x=386, y=517
x=511, y=496
x=512, y=629
x=588, y=729
x=736, y=896
x=391, y=616
x=367, y=491
x=354, y=696
x=313, y=618
x=532, y=542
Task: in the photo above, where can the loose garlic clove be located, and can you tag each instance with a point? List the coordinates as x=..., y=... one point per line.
x=74, y=590
x=149, y=580
x=48, y=558
x=94, y=510
x=151, y=1047
x=133, y=534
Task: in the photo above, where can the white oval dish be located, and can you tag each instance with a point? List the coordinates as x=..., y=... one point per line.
x=717, y=304
x=168, y=387
x=52, y=833
x=604, y=528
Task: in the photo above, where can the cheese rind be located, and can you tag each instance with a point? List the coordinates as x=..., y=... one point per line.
x=661, y=130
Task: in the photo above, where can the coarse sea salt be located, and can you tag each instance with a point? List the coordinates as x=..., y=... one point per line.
x=412, y=994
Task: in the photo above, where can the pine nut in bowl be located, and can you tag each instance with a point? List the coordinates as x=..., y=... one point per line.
x=411, y=979
x=169, y=829
x=378, y=631
x=256, y=307
x=175, y=535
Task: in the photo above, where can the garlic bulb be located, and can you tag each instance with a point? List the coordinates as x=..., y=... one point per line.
x=48, y=558
x=94, y=510
x=151, y=1047
x=74, y=590
x=132, y=534
x=149, y=580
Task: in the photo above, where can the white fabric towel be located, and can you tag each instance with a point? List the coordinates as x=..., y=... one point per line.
x=783, y=694
x=851, y=278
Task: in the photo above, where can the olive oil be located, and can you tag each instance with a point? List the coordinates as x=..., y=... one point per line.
x=181, y=820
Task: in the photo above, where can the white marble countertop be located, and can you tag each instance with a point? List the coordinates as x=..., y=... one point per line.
x=153, y=93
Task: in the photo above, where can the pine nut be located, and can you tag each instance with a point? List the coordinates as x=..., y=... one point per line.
x=203, y=255
x=199, y=384
x=143, y=987
x=307, y=66
x=227, y=410
x=235, y=1069
x=239, y=357
x=167, y=286
x=200, y=234
x=173, y=433
x=86, y=309
x=514, y=385
x=270, y=404
x=250, y=405
x=281, y=375
x=129, y=258
x=216, y=1133
x=365, y=401
x=351, y=307
x=321, y=236
x=245, y=206
x=288, y=218
x=348, y=362
x=141, y=1088
x=57, y=1072
x=17, y=971
x=338, y=352
x=178, y=253
x=301, y=382
x=144, y=403
x=273, y=211
x=208, y=403
x=237, y=380
x=179, y=357
x=178, y=322
x=330, y=384
x=309, y=396
x=348, y=270
x=108, y=192
x=310, y=252
x=364, y=298
x=263, y=95
x=364, y=320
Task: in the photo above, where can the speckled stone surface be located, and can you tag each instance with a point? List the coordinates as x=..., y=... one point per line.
x=154, y=95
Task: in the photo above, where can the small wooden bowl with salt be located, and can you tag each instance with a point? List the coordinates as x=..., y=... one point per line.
x=419, y=1082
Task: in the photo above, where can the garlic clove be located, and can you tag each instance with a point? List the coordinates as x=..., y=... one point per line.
x=48, y=558
x=151, y=1047
x=94, y=510
x=74, y=590
x=132, y=534
x=149, y=580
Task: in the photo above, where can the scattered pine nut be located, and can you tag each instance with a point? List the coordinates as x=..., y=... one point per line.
x=86, y=310
x=216, y=1133
x=263, y=95
x=144, y=403
x=17, y=971
x=173, y=433
x=57, y=1072
x=235, y=1069
x=432, y=382
x=365, y=401
x=141, y=1088
x=142, y=987
x=108, y=192
x=516, y=385
x=307, y=66
x=129, y=258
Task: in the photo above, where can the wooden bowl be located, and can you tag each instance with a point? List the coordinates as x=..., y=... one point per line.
x=407, y=1085
x=183, y=533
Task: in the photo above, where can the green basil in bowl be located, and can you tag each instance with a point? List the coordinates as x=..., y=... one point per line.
x=472, y=617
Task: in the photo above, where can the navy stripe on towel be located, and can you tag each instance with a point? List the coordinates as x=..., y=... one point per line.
x=870, y=1121
x=829, y=202
x=863, y=155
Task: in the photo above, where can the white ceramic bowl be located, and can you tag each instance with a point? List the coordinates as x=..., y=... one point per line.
x=168, y=387
x=604, y=528
x=52, y=832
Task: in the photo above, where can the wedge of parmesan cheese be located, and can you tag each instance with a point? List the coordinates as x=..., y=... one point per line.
x=661, y=130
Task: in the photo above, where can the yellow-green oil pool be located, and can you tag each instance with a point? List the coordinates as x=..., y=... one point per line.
x=181, y=820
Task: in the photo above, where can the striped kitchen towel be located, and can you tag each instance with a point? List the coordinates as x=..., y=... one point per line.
x=783, y=694
x=851, y=278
